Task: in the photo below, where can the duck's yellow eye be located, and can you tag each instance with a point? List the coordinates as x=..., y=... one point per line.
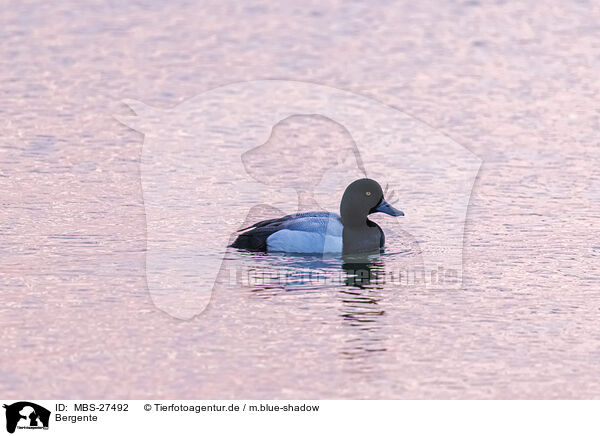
x=368, y=193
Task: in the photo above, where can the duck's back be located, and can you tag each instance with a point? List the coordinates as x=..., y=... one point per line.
x=307, y=232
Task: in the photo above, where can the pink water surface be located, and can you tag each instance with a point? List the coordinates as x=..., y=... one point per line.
x=516, y=83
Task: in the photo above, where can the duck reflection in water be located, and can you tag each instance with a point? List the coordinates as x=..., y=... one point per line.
x=358, y=284
x=363, y=269
x=361, y=308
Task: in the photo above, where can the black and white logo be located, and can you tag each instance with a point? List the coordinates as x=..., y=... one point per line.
x=26, y=415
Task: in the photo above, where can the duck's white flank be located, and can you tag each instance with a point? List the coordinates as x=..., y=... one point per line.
x=327, y=238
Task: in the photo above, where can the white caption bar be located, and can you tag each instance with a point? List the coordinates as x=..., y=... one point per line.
x=301, y=417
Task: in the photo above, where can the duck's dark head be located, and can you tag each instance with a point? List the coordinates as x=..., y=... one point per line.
x=361, y=198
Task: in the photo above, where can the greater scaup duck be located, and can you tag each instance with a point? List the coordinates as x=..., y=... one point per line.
x=325, y=232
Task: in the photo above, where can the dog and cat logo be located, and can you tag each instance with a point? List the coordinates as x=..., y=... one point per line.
x=26, y=415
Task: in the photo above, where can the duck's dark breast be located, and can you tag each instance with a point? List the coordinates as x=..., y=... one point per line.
x=362, y=239
x=381, y=237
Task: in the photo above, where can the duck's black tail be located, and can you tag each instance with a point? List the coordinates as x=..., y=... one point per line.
x=255, y=239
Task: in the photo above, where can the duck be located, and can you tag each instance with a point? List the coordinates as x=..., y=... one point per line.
x=349, y=232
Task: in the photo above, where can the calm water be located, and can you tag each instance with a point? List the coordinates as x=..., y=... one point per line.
x=517, y=86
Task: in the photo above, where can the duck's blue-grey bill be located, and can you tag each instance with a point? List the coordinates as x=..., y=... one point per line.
x=385, y=207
